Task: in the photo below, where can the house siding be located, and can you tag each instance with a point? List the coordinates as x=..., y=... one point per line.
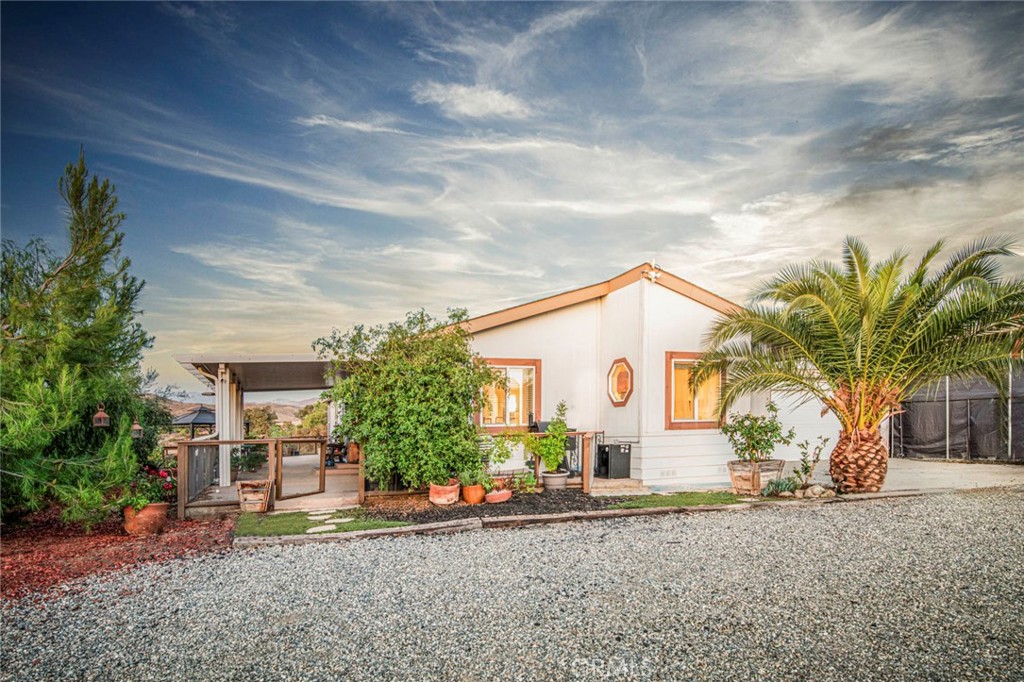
x=640, y=322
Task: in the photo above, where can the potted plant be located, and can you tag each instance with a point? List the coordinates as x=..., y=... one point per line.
x=472, y=481
x=443, y=494
x=753, y=439
x=145, y=501
x=550, y=447
x=497, y=490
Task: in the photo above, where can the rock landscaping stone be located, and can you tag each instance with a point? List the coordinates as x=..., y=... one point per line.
x=786, y=493
x=799, y=493
x=814, y=491
x=911, y=588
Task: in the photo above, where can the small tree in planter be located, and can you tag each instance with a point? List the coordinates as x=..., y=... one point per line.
x=410, y=392
x=550, y=447
x=753, y=439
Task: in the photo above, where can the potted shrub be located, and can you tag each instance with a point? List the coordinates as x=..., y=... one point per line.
x=472, y=481
x=443, y=494
x=550, y=447
x=145, y=502
x=753, y=439
x=496, y=490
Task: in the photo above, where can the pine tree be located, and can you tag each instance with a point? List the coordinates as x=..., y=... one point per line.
x=71, y=340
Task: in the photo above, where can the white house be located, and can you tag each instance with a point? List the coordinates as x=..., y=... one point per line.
x=619, y=353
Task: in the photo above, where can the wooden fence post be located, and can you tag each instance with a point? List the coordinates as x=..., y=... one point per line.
x=586, y=464
x=182, y=479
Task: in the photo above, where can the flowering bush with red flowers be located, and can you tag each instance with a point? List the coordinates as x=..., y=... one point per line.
x=150, y=485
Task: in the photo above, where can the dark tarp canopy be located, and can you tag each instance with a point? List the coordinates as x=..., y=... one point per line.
x=974, y=422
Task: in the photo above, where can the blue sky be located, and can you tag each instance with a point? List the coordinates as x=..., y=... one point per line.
x=291, y=167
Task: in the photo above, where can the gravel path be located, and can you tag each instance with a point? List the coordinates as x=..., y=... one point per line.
x=913, y=588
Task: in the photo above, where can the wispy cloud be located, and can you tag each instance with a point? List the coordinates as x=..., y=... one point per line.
x=470, y=101
x=321, y=120
x=397, y=156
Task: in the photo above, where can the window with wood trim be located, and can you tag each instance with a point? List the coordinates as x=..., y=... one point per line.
x=683, y=408
x=512, y=405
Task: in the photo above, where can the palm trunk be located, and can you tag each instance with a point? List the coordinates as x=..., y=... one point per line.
x=859, y=465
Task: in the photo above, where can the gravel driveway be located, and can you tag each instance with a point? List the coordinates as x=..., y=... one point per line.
x=909, y=588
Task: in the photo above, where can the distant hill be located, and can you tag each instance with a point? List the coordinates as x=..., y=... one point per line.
x=286, y=410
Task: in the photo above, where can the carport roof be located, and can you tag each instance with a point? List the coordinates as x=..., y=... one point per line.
x=262, y=372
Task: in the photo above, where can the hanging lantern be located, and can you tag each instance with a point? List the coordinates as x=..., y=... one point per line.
x=136, y=429
x=101, y=419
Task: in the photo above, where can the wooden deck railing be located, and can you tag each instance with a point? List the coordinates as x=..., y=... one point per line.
x=191, y=482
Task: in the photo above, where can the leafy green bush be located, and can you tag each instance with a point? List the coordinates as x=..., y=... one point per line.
x=476, y=476
x=410, y=391
x=754, y=437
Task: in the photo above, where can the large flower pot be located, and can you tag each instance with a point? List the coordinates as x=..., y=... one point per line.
x=749, y=477
x=442, y=495
x=473, y=494
x=149, y=520
x=554, y=481
x=498, y=496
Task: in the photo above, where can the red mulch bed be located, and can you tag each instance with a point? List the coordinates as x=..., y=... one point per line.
x=41, y=552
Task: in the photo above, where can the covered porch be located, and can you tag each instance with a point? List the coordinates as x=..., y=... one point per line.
x=303, y=471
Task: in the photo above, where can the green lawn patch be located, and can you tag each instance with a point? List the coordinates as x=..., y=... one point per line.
x=687, y=499
x=297, y=523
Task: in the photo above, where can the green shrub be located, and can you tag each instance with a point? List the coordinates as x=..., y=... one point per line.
x=753, y=437
x=411, y=391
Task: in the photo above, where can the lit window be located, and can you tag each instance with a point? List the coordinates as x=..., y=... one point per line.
x=513, y=404
x=685, y=406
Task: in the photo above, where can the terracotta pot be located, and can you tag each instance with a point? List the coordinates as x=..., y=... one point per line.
x=442, y=495
x=473, y=494
x=498, y=496
x=499, y=483
x=149, y=520
x=749, y=477
x=554, y=481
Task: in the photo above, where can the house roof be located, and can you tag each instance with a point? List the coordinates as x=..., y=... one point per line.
x=588, y=293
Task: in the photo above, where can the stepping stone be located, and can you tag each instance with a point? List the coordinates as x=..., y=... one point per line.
x=321, y=529
x=344, y=520
x=319, y=517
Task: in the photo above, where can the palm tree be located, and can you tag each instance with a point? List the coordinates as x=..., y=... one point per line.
x=861, y=338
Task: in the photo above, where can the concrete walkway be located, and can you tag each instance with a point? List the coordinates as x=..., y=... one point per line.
x=930, y=475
